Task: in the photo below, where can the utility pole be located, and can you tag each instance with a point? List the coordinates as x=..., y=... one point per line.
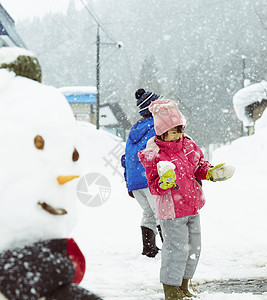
x=119, y=45
x=243, y=84
x=243, y=69
x=97, y=77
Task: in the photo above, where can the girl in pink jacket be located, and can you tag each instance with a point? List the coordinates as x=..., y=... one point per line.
x=174, y=167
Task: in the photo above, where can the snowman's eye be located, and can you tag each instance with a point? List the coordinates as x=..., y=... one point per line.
x=39, y=142
x=75, y=155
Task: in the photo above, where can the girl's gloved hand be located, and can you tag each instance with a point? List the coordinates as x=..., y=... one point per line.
x=220, y=172
x=166, y=174
x=167, y=180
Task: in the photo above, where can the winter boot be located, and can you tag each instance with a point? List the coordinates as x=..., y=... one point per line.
x=173, y=292
x=149, y=242
x=184, y=288
x=160, y=233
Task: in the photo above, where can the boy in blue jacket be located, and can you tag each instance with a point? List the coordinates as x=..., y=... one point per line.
x=134, y=174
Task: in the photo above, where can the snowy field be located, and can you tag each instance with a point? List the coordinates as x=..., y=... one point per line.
x=233, y=222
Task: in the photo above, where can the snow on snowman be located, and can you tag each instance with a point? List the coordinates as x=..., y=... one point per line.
x=39, y=165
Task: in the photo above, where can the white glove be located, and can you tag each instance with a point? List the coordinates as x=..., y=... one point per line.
x=220, y=172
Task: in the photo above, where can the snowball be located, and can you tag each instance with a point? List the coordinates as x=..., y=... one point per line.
x=164, y=166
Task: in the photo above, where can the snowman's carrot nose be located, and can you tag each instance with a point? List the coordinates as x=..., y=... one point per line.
x=64, y=179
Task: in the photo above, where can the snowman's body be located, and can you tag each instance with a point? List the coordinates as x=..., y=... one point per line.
x=29, y=175
x=38, y=167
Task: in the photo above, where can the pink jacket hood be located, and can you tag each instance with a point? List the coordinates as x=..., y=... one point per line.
x=189, y=165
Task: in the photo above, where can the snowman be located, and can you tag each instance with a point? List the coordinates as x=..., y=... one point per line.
x=39, y=167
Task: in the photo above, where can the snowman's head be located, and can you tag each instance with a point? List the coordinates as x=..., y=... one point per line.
x=39, y=162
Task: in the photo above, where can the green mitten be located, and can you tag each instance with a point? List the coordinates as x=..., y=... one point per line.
x=220, y=172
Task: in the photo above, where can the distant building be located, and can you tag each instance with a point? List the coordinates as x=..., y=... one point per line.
x=250, y=103
x=114, y=120
x=8, y=34
x=82, y=100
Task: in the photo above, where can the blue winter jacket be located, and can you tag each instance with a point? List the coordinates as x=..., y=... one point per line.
x=140, y=133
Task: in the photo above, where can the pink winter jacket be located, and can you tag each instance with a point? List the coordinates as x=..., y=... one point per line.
x=189, y=165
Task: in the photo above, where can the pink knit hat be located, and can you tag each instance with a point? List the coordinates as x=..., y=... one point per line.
x=166, y=115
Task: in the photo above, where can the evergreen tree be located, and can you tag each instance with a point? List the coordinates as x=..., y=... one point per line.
x=149, y=75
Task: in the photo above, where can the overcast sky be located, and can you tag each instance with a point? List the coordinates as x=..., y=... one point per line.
x=23, y=9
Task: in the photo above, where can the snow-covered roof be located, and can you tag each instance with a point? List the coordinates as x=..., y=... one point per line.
x=112, y=115
x=107, y=118
x=77, y=90
x=246, y=96
x=79, y=94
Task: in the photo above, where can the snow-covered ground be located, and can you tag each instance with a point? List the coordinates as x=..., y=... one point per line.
x=233, y=222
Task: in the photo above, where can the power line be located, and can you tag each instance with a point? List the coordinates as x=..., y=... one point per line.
x=98, y=22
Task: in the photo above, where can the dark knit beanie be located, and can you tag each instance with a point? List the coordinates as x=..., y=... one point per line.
x=143, y=101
